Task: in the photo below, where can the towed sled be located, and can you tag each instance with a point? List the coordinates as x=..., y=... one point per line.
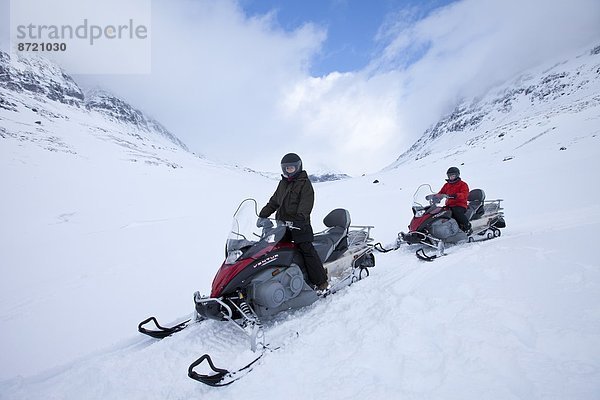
x=263, y=274
x=433, y=227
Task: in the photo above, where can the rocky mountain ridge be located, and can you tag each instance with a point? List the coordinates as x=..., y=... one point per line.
x=571, y=86
x=41, y=104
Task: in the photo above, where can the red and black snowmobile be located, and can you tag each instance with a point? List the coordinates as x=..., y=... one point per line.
x=433, y=227
x=263, y=272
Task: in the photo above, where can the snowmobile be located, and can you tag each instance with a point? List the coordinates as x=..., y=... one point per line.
x=263, y=273
x=433, y=227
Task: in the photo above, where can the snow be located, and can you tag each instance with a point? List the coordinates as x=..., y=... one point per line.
x=92, y=243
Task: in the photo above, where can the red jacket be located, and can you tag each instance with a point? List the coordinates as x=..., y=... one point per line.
x=460, y=191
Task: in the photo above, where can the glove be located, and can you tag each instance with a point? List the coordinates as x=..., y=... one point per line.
x=437, y=196
x=264, y=223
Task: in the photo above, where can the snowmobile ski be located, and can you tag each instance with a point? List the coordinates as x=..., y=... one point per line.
x=424, y=257
x=379, y=247
x=162, y=331
x=221, y=377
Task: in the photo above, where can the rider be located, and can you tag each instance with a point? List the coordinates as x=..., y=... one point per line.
x=293, y=200
x=457, y=192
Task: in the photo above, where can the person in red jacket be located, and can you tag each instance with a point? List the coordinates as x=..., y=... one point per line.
x=457, y=192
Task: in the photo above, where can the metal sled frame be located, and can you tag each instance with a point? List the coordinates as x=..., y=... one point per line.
x=494, y=202
x=355, y=273
x=361, y=228
x=358, y=236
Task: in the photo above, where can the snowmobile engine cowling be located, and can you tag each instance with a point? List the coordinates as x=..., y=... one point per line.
x=277, y=288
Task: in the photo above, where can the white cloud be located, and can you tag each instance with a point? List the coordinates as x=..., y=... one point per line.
x=474, y=45
x=461, y=51
x=218, y=76
x=346, y=120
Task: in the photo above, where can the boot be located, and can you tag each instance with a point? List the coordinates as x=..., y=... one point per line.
x=467, y=229
x=323, y=286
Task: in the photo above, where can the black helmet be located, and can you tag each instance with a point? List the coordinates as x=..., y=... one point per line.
x=453, y=174
x=289, y=161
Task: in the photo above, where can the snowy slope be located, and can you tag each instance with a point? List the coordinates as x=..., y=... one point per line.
x=95, y=196
x=517, y=317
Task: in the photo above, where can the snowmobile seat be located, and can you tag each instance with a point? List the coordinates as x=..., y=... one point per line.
x=333, y=241
x=475, y=209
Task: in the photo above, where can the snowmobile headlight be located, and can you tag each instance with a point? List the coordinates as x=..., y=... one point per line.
x=233, y=256
x=419, y=213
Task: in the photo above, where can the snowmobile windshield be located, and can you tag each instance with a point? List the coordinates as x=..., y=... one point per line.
x=245, y=238
x=419, y=198
x=270, y=237
x=244, y=231
x=423, y=197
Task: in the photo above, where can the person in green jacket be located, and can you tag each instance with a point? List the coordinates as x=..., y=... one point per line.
x=293, y=201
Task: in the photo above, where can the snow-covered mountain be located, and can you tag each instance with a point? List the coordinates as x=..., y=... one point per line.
x=327, y=177
x=119, y=110
x=92, y=243
x=537, y=99
x=315, y=177
x=40, y=104
x=324, y=173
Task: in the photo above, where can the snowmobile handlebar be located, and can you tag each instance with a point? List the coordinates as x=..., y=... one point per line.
x=266, y=223
x=290, y=225
x=436, y=197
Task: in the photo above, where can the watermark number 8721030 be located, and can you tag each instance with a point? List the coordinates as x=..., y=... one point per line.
x=48, y=46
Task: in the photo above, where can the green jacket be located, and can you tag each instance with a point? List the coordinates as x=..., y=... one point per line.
x=293, y=200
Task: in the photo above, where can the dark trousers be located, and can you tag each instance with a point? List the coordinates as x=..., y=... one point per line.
x=458, y=213
x=312, y=262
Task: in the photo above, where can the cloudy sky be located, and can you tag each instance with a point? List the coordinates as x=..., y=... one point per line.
x=346, y=84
